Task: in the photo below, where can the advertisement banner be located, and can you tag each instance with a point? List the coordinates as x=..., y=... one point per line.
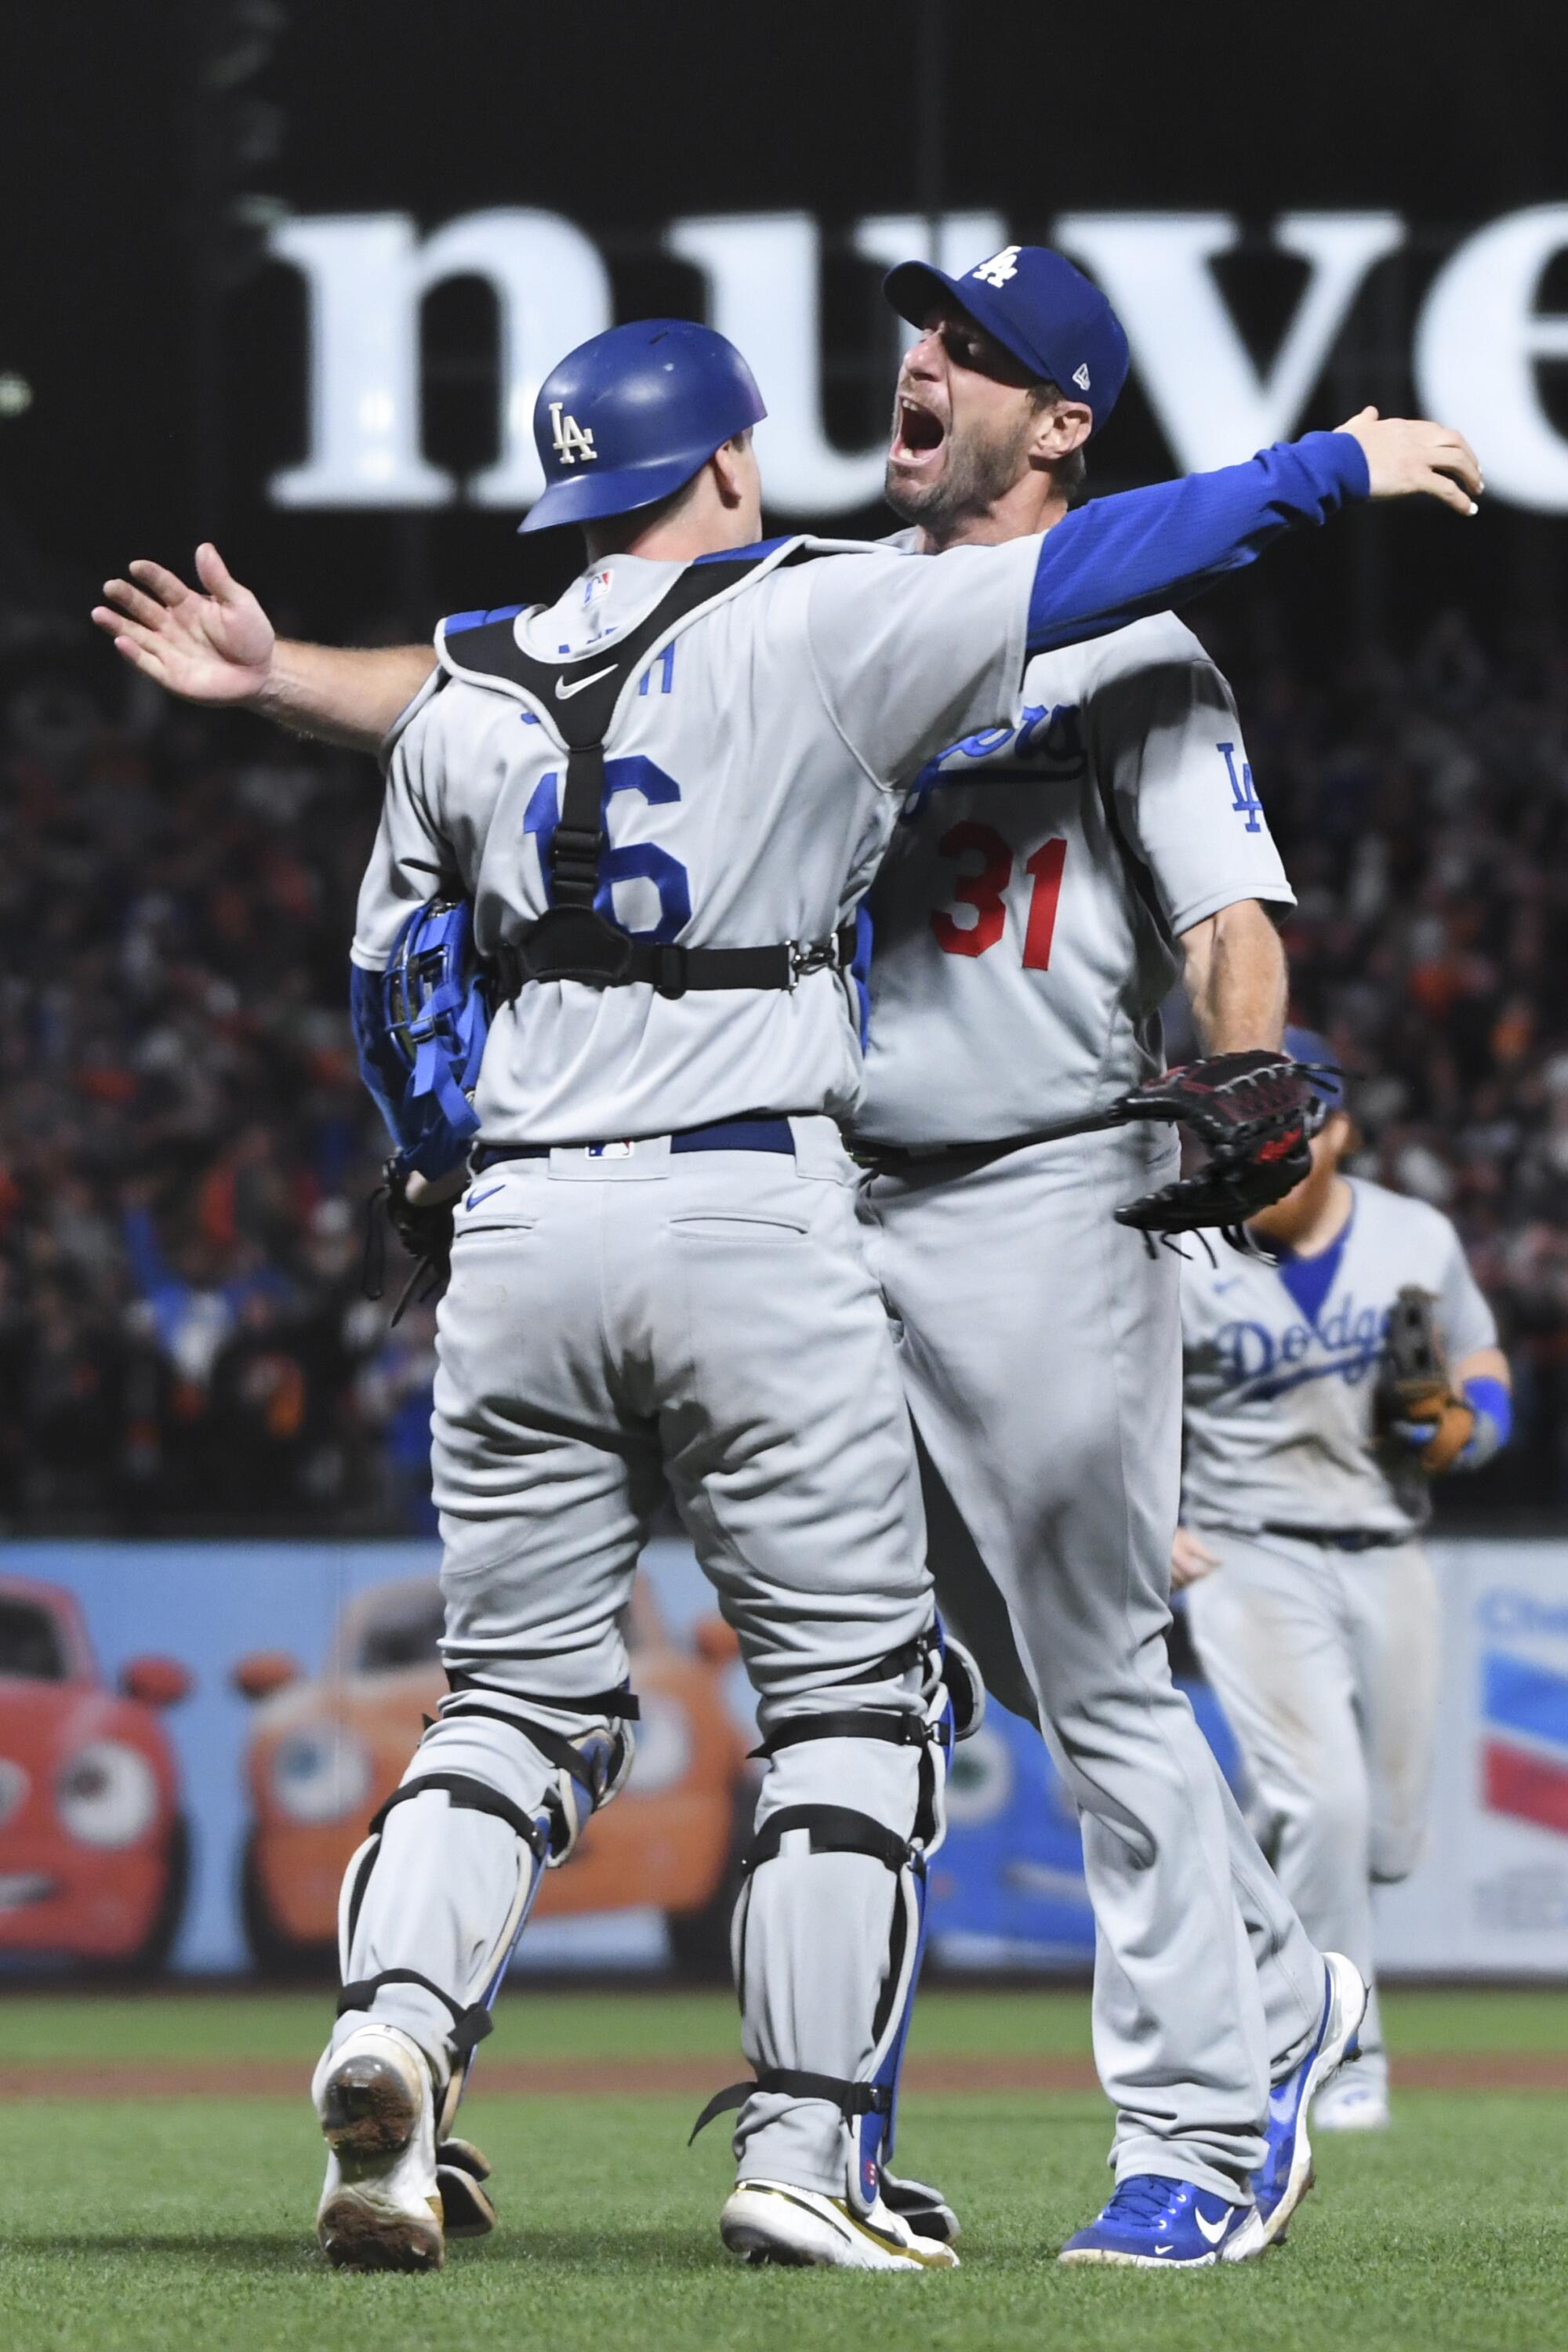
x=194, y=1735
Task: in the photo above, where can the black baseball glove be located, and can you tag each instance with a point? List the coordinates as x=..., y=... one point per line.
x=424, y=1230
x=1253, y=1113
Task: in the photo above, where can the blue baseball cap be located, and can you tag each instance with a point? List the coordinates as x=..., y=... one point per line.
x=1327, y=1078
x=1054, y=320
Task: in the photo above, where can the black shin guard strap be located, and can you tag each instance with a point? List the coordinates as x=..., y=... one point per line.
x=848, y=1723
x=851, y=2099
x=465, y=1794
x=469, y=2025
x=834, y=1829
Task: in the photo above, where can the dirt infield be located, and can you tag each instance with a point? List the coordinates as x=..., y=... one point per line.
x=688, y=2077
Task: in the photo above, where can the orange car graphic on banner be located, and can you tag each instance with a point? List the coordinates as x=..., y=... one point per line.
x=94, y=1849
x=326, y=1750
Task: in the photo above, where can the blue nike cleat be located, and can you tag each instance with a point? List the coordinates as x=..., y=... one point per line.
x=1284, y=2177
x=1154, y=2224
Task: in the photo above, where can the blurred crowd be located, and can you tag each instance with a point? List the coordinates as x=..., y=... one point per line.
x=184, y=1147
x=185, y=1151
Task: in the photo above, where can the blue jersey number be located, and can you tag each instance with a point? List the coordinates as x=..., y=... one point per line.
x=637, y=861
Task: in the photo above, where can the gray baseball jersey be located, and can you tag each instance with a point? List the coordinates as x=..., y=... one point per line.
x=1025, y=918
x=755, y=773
x=1281, y=1368
x=1024, y=938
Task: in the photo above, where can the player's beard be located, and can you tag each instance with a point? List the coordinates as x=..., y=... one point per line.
x=979, y=469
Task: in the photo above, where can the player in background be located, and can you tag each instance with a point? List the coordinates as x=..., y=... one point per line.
x=219, y=647
x=1310, y=1597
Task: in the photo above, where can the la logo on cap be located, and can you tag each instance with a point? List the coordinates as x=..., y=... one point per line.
x=1000, y=267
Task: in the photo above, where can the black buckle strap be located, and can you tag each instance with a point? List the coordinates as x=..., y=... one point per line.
x=619, y=1705
x=851, y=2099
x=848, y=1723
x=469, y=2025
x=465, y=1794
x=834, y=1829
x=574, y=942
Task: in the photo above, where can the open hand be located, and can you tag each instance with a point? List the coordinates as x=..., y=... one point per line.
x=1407, y=458
x=215, y=647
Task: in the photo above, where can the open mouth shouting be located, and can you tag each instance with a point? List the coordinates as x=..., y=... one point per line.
x=919, y=436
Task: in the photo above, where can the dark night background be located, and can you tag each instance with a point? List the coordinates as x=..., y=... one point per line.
x=157, y=416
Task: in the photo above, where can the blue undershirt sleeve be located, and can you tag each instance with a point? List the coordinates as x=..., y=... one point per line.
x=1145, y=550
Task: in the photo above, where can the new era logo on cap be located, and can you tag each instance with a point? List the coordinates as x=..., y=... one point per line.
x=1080, y=377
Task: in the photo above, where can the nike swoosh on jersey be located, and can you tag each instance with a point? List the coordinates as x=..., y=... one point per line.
x=563, y=692
x=475, y=1198
x=1212, y=2231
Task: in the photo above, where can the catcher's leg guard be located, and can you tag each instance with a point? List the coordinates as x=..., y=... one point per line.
x=829, y=1933
x=435, y=1900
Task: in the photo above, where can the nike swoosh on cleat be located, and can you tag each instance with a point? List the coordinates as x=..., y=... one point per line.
x=475, y=1198
x=1212, y=2231
x=563, y=692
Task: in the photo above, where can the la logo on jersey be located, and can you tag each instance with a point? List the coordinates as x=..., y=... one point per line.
x=571, y=440
x=1000, y=267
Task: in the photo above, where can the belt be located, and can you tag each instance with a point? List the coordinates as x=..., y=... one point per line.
x=1338, y=1538
x=753, y=1131
x=889, y=1159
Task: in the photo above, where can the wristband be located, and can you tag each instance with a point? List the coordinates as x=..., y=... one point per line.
x=1493, y=1405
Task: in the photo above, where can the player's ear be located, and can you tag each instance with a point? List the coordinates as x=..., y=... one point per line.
x=735, y=468
x=1061, y=427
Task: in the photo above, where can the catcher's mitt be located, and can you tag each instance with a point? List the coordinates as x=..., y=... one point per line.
x=1254, y=1114
x=1413, y=1398
x=424, y=1230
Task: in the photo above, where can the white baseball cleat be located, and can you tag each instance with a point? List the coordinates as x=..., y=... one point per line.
x=381, y=2207
x=772, y=2221
x=1351, y=2104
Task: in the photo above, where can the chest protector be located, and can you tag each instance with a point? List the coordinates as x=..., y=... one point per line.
x=572, y=941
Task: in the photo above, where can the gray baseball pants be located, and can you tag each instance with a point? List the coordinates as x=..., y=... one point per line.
x=1327, y=1665
x=1040, y=1345
x=615, y=1322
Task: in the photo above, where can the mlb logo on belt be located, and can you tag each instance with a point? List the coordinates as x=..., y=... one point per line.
x=1525, y=1754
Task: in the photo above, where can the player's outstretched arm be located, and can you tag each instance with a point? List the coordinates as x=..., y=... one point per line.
x=1120, y=557
x=216, y=645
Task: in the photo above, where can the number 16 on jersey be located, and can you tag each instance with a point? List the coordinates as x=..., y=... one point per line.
x=984, y=886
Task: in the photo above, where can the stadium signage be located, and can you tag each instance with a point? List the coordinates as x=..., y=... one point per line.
x=1479, y=340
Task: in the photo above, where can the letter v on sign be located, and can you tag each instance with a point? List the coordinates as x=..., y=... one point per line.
x=1214, y=407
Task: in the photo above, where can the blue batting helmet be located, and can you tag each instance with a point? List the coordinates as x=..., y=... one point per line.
x=631, y=414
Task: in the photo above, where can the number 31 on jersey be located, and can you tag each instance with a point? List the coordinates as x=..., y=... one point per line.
x=986, y=863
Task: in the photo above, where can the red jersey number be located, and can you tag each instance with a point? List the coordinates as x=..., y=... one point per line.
x=983, y=889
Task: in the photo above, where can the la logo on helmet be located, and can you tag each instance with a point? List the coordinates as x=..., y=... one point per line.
x=1000, y=267
x=571, y=440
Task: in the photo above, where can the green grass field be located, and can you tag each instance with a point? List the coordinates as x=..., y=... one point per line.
x=186, y=2223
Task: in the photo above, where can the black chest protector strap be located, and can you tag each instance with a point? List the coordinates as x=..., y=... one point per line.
x=573, y=941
